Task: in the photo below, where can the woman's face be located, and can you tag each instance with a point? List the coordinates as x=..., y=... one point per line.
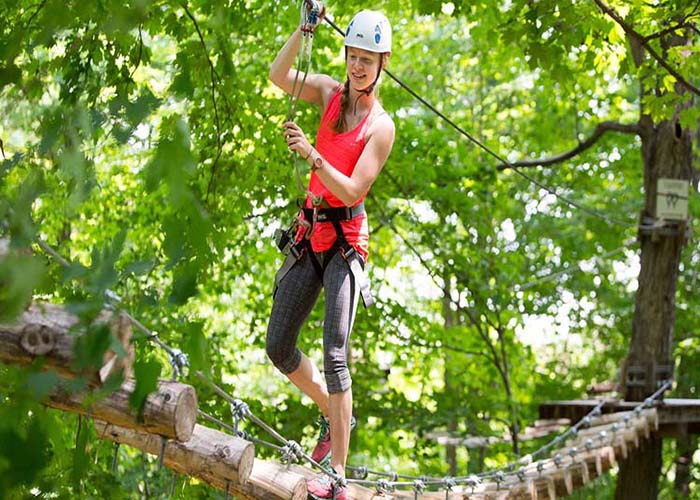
x=362, y=67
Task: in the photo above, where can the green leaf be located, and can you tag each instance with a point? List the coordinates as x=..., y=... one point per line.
x=19, y=276
x=197, y=347
x=90, y=347
x=146, y=374
x=40, y=384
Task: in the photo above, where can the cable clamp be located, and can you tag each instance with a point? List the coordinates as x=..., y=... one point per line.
x=383, y=486
x=291, y=452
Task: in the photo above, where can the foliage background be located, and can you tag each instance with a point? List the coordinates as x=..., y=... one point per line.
x=141, y=140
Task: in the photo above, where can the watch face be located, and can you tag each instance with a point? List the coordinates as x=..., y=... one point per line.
x=318, y=162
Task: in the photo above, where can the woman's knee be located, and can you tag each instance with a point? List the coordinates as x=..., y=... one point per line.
x=285, y=358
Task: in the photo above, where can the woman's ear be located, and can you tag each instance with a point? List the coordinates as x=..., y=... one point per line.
x=385, y=58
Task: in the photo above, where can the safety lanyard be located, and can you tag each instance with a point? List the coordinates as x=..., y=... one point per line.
x=310, y=10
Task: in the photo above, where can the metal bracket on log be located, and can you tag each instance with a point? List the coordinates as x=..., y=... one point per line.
x=643, y=376
x=656, y=228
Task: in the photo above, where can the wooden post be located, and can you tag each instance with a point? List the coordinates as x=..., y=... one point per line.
x=171, y=411
x=47, y=331
x=209, y=452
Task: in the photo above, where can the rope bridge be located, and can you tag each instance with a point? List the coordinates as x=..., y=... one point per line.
x=226, y=460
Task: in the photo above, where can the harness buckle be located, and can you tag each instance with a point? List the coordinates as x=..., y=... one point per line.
x=284, y=240
x=347, y=252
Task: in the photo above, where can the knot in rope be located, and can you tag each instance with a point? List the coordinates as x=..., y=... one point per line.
x=586, y=422
x=628, y=421
x=596, y=411
x=473, y=481
x=648, y=402
x=573, y=451
x=500, y=477
x=418, y=487
x=615, y=427
x=179, y=361
x=637, y=411
x=449, y=483
x=240, y=409
x=521, y=474
x=558, y=459
x=393, y=476
x=589, y=444
x=339, y=481
x=540, y=466
x=291, y=452
x=383, y=486
x=361, y=472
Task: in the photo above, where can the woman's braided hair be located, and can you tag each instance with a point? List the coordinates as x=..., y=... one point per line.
x=340, y=125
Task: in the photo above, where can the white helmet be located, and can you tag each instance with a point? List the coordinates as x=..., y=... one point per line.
x=369, y=30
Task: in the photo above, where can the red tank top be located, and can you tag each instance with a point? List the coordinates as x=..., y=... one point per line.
x=342, y=152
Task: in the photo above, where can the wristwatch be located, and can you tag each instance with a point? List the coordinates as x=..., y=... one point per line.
x=316, y=163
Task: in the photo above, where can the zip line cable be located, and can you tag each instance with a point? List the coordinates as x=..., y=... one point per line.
x=488, y=150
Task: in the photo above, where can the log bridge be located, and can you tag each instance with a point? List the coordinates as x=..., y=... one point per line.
x=47, y=334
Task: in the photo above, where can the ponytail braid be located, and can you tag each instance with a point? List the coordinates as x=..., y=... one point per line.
x=340, y=125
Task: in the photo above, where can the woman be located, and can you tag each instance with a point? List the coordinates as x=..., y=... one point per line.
x=353, y=142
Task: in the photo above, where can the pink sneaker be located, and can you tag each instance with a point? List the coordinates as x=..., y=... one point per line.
x=322, y=451
x=323, y=487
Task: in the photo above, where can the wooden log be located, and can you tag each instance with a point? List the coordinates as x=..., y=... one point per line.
x=208, y=451
x=268, y=480
x=541, y=428
x=170, y=411
x=47, y=331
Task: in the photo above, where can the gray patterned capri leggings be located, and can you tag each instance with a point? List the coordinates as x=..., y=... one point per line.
x=294, y=301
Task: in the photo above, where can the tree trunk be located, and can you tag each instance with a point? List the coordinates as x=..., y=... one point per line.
x=667, y=152
x=450, y=449
x=170, y=411
x=685, y=449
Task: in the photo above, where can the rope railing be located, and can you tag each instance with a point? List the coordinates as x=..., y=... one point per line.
x=291, y=451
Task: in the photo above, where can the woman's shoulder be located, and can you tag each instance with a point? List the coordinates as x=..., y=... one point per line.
x=382, y=120
x=328, y=87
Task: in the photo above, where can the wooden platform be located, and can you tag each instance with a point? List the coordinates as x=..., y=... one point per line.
x=676, y=416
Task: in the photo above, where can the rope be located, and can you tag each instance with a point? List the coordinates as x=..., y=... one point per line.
x=291, y=450
x=489, y=151
x=309, y=13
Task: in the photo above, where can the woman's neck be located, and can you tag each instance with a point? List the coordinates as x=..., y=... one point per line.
x=360, y=102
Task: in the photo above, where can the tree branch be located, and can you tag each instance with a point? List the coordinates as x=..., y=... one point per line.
x=642, y=41
x=599, y=131
x=214, y=76
x=683, y=23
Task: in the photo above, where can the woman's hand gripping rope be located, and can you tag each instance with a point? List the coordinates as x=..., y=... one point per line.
x=298, y=143
x=312, y=13
x=296, y=140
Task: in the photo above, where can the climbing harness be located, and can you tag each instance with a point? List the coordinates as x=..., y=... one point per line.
x=296, y=249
